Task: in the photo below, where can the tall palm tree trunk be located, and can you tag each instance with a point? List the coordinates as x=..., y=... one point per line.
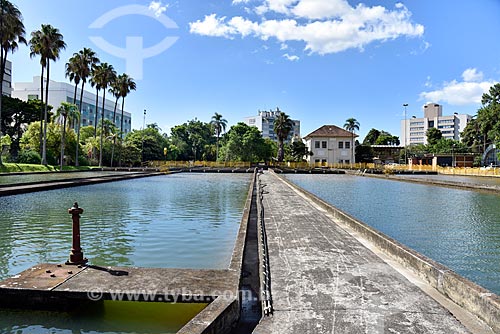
x=41, y=111
x=114, y=138
x=121, y=134
x=63, y=142
x=79, y=121
x=44, y=147
x=217, y=148
x=96, y=111
x=2, y=69
x=102, y=127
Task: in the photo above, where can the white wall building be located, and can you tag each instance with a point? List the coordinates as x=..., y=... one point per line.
x=414, y=130
x=7, y=79
x=264, y=121
x=64, y=92
x=330, y=145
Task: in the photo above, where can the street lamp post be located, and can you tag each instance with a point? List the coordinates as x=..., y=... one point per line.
x=453, y=155
x=404, y=134
x=143, y=127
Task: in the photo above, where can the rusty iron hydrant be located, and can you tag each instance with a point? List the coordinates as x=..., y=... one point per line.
x=76, y=255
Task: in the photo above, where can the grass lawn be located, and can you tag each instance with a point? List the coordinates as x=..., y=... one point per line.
x=15, y=168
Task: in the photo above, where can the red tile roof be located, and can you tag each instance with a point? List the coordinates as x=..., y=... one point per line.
x=329, y=131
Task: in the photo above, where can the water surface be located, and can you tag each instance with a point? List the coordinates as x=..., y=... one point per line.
x=172, y=221
x=458, y=228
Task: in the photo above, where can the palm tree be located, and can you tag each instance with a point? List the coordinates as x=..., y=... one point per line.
x=282, y=127
x=352, y=125
x=73, y=74
x=126, y=84
x=105, y=75
x=48, y=43
x=86, y=60
x=66, y=111
x=11, y=34
x=94, y=81
x=219, y=125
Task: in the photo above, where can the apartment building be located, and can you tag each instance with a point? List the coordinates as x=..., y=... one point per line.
x=413, y=130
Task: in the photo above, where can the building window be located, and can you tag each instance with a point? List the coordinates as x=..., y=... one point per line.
x=316, y=161
x=323, y=144
x=316, y=144
x=251, y=121
x=341, y=144
x=347, y=145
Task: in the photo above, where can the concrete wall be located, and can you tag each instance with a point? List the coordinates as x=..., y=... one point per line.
x=472, y=297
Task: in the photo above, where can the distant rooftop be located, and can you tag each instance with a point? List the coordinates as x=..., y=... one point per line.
x=330, y=131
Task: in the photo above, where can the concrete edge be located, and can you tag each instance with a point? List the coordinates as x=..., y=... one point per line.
x=479, y=301
x=217, y=317
x=448, y=184
x=239, y=245
x=222, y=315
x=59, y=184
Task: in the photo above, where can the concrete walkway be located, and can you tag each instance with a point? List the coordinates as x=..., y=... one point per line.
x=325, y=281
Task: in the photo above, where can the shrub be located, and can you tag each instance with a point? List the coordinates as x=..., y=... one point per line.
x=29, y=157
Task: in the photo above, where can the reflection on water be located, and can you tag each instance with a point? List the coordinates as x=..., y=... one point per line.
x=106, y=317
x=177, y=221
x=458, y=228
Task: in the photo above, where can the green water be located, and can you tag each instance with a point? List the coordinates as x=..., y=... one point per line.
x=458, y=228
x=106, y=317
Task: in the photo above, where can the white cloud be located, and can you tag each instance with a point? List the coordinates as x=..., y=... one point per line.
x=237, y=2
x=324, y=26
x=291, y=58
x=428, y=82
x=468, y=91
x=157, y=7
x=471, y=74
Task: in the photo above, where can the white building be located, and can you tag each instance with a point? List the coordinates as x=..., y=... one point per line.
x=414, y=130
x=64, y=92
x=330, y=145
x=7, y=79
x=264, y=121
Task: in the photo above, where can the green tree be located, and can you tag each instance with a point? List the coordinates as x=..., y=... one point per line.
x=245, y=143
x=371, y=137
x=125, y=85
x=192, y=138
x=103, y=76
x=283, y=125
x=48, y=43
x=352, y=125
x=219, y=125
x=11, y=34
x=85, y=60
x=150, y=141
x=17, y=115
x=298, y=150
x=66, y=111
x=386, y=138
x=433, y=135
x=30, y=141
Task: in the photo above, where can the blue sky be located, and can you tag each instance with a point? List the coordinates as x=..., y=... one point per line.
x=320, y=61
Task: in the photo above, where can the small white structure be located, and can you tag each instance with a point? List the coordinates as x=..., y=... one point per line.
x=330, y=145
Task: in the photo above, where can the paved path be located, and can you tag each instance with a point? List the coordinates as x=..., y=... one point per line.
x=325, y=281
